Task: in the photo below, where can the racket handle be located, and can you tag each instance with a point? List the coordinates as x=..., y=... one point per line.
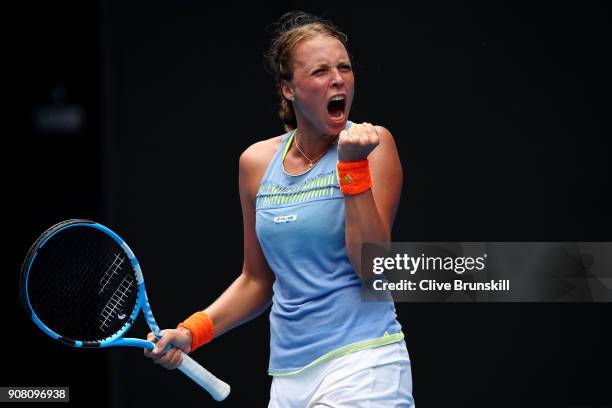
x=217, y=388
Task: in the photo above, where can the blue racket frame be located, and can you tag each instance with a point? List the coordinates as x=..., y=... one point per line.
x=142, y=301
x=218, y=389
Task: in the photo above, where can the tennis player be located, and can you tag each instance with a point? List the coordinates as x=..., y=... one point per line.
x=310, y=198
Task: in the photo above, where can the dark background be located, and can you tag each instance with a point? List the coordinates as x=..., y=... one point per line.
x=501, y=118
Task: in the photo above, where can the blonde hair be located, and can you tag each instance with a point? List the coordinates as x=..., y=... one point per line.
x=292, y=28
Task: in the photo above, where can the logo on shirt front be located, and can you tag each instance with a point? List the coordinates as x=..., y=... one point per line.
x=281, y=219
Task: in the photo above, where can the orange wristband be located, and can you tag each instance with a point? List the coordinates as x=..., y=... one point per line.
x=354, y=177
x=201, y=328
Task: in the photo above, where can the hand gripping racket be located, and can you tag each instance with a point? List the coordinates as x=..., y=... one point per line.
x=82, y=285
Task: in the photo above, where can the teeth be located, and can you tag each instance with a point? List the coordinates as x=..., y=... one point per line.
x=337, y=98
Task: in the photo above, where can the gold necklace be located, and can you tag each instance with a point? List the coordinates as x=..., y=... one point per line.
x=311, y=164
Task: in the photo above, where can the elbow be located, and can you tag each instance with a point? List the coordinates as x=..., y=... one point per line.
x=381, y=236
x=385, y=237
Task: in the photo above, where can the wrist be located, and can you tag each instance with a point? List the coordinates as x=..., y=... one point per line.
x=354, y=177
x=200, y=329
x=183, y=331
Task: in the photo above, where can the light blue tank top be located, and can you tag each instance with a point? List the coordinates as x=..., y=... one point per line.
x=317, y=313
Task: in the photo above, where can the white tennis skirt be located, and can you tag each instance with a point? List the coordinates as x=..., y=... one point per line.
x=371, y=378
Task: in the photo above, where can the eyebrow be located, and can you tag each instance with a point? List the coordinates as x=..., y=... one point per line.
x=327, y=65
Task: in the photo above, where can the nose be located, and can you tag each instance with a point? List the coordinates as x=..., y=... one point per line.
x=337, y=79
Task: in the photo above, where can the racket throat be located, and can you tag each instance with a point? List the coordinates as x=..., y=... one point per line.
x=131, y=342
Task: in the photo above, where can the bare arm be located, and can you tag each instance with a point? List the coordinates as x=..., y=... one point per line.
x=369, y=216
x=250, y=294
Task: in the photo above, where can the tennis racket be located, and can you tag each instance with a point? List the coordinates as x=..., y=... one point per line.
x=82, y=285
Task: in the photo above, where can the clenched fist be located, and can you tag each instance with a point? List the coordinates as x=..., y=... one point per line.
x=357, y=143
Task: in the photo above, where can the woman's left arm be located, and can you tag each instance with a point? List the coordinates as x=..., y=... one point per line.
x=369, y=216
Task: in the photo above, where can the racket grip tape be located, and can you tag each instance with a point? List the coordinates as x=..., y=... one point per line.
x=217, y=388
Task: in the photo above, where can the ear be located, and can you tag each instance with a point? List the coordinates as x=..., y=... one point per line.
x=287, y=90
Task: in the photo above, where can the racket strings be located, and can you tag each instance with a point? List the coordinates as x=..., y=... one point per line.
x=116, y=302
x=111, y=271
x=71, y=285
x=91, y=305
x=64, y=297
x=61, y=297
x=69, y=303
x=81, y=284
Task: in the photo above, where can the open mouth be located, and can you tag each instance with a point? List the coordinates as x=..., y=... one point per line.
x=335, y=107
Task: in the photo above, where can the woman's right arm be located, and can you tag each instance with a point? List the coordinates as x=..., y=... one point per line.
x=250, y=294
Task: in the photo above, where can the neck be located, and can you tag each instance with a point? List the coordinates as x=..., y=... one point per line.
x=312, y=141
